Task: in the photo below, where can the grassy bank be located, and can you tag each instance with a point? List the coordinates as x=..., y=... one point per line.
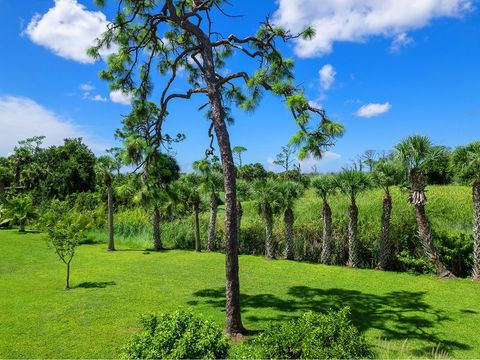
x=41, y=320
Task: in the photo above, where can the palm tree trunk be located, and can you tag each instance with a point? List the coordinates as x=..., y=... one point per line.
x=21, y=226
x=67, y=282
x=384, y=248
x=476, y=230
x=157, y=240
x=326, y=253
x=426, y=239
x=353, y=260
x=288, y=218
x=239, y=224
x=198, y=244
x=212, y=226
x=111, y=245
x=269, y=240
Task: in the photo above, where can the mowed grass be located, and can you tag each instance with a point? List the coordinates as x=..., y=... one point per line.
x=94, y=319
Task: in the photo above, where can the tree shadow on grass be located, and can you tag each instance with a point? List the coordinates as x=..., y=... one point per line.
x=98, y=284
x=399, y=315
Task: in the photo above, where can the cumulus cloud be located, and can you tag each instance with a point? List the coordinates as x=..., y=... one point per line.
x=400, y=41
x=327, y=76
x=372, y=110
x=68, y=29
x=119, y=97
x=357, y=20
x=22, y=117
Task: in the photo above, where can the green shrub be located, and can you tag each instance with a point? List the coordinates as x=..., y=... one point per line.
x=313, y=336
x=180, y=335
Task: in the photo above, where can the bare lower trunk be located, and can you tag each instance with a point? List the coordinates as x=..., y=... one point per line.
x=476, y=231
x=67, y=282
x=239, y=224
x=269, y=239
x=353, y=260
x=326, y=253
x=21, y=226
x=198, y=243
x=111, y=245
x=426, y=239
x=157, y=239
x=385, y=248
x=212, y=226
x=289, y=219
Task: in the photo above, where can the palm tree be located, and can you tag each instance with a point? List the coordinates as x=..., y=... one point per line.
x=212, y=182
x=385, y=174
x=20, y=209
x=466, y=161
x=289, y=192
x=160, y=172
x=266, y=195
x=243, y=193
x=189, y=193
x=104, y=167
x=326, y=185
x=413, y=152
x=351, y=182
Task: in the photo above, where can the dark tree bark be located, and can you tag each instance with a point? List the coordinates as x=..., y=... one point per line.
x=326, y=254
x=212, y=226
x=21, y=226
x=269, y=239
x=385, y=247
x=476, y=231
x=419, y=200
x=198, y=243
x=353, y=260
x=111, y=245
x=239, y=224
x=67, y=283
x=288, y=218
x=157, y=239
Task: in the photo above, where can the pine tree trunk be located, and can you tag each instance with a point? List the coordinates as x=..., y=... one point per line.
x=111, y=245
x=476, y=231
x=157, y=239
x=288, y=220
x=353, y=260
x=418, y=183
x=269, y=239
x=239, y=224
x=384, y=248
x=326, y=254
x=198, y=243
x=234, y=326
x=212, y=226
x=67, y=282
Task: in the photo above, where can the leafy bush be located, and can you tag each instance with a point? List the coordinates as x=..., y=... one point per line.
x=313, y=336
x=180, y=335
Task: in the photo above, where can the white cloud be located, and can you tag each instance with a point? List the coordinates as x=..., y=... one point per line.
x=325, y=164
x=68, y=29
x=22, y=117
x=372, y=110
x=99, y=98
x=400, y=41
x=87, y=87
x=327, y=76
x=119, y=97
x=357, y=20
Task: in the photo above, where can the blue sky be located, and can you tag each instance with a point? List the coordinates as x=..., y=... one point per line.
x=383, y=69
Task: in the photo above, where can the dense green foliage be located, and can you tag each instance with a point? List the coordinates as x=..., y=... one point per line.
x=401, y=315
x=312, y=336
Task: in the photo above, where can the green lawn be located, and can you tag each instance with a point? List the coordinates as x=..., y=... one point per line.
x=41, y=320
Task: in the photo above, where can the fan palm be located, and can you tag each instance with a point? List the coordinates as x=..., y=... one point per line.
x=289, y=192
x=243, y=193
x=326, y=185
x=351, y=182
x=20, y=209
x=189, y=194
x=466, y=161
x=385, y=174
x=266, y=196
x=103, y=169
x=413, y=152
